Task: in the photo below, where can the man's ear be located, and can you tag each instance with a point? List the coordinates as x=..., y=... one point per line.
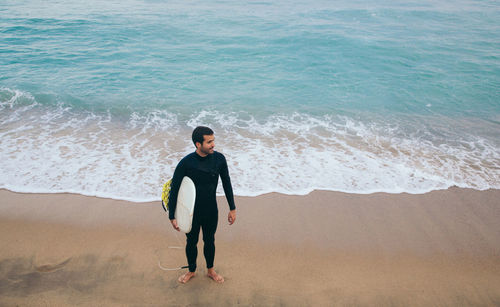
x=197, y=144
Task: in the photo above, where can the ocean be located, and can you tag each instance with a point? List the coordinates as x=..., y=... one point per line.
x=100, y=97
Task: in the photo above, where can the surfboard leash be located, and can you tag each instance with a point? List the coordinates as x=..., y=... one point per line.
x=173, y=247
x=171, y=269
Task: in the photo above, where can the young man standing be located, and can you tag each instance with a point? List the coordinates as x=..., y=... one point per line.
x=204, y=166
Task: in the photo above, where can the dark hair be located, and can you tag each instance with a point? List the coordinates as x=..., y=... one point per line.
x=199, y=132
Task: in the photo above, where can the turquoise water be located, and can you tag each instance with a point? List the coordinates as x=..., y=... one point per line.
x=100, y=97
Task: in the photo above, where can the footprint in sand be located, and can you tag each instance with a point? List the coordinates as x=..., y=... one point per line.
x=48, y=268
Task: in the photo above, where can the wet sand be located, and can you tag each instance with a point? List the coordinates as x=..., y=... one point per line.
x=326, y=248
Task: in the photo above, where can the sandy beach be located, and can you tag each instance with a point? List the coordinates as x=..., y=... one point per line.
x=326, y=248
x=100, y=102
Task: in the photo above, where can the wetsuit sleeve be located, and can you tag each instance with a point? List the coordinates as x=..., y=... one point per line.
x=179, y=172
x=226, y=184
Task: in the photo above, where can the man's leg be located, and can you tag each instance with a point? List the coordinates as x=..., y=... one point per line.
x=209, y=227
x=191, y=244
x=191, y=250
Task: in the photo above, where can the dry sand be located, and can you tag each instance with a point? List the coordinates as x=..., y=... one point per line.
x=324, y=249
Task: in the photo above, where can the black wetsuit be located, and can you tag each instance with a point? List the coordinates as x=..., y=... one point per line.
x=205, y=172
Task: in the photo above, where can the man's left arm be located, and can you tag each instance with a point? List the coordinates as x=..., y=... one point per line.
x=228, y=190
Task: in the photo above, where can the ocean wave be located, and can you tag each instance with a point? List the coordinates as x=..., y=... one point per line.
x=57, y=148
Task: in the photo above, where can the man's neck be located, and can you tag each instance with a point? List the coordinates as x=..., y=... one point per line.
x=200, y=153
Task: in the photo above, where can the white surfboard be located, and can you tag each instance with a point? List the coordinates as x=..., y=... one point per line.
x=185, y=205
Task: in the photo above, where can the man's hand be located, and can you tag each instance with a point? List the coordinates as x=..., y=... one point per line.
x=231, y=217
x=174, y=224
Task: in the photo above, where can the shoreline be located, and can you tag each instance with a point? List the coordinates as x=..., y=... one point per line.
x=263, y=194
x=323, y=248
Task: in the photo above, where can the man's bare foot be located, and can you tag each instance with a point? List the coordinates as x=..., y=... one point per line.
x=216, y=277
x=184, y=278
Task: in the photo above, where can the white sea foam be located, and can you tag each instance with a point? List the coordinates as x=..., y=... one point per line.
x=298, y=154
x=56, y=149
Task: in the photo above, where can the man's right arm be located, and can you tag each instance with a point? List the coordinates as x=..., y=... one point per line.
x=174, y=189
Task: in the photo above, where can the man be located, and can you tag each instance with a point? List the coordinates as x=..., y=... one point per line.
x=204, y=166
